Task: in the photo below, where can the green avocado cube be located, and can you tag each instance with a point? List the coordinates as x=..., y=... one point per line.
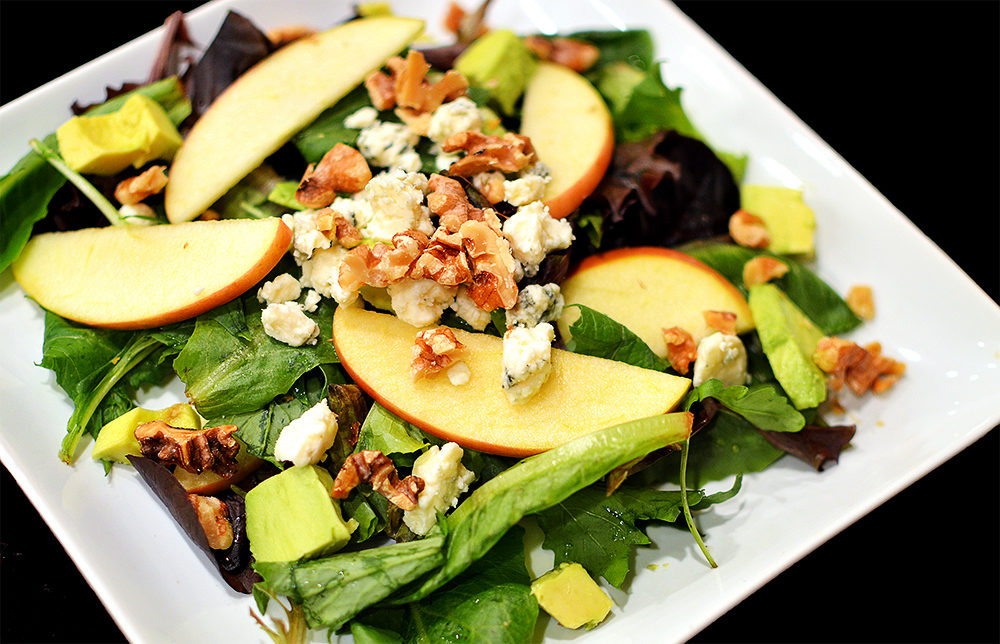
x=571, y=596
x=789, y=221
x=116, y=440
x=291, y=516
x=500, y=63
x=789, y=339
x=106, y=144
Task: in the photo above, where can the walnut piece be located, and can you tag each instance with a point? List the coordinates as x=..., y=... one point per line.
x=493, y=266
x=374, y=467
x=681, y=348
x=575, y=54
x=381, y=264
x=486, y=152
x=447, y=199
x=135, y=189
x=748, y=230
x=281, y=36
x=444, y=260
x=342, y=169
x=763, y=269
x=214, y=520
x=860, y=368
x=196, y=450
x=434, y=350
x=860, y=300
x=407, y=87
x=722, y=321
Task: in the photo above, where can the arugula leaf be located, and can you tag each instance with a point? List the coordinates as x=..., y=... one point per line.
x=761, y=405
x=595, y=334
x=26, y=190
x=231, y=366
x=816, y=298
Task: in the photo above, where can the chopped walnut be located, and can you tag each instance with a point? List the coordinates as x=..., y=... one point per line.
x=493, y=266
x=466, y=26
x=281, y=36
x=861, y=301
x=443, y=260
x=860, y=368
x=485, y=152
x=748, y=230
x=763, y=269
x=681, y=348
x=722, y=321
x=434, y=350
x=342, y=169
x=447, y=199
x=349, y=404
x=381, y=89
x=135, y=189
x=195, y=450
x=418, y=122
x=407, y=87
x=575, y=54
x=209, y=215
x=374, y=467
x=381, y=264
x=214, y=520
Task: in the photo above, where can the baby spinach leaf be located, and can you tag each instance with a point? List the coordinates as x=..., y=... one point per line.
x=764, y=406
x=633, y=46
x=490, y=602
x=815, y=297
x=328, y=129
x=595, y=334
x=231, y=366
x=389, y=434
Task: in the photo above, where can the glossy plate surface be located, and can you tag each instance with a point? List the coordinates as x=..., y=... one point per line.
x=114, y=527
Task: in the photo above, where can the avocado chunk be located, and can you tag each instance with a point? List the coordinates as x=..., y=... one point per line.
x=108, y=143
x=789, y=339
x=571, y=596
x=500, y=63
x=789, y=221
x=116, y=440
x=291, y=516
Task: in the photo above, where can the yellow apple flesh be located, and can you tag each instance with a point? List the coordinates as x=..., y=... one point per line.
x=134, y=277
x=272, y=101
x=583, y=394
x=649, y=289
x=570, y=128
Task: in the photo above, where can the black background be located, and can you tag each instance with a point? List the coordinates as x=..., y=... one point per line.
x=907, y=93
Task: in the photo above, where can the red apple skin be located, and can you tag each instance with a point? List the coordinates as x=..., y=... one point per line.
x=256, y=273
x=570, y=199
x=30, y=271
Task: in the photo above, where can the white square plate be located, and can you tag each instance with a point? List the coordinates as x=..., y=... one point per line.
x=113, y=527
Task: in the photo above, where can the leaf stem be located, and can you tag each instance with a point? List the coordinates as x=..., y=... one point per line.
x=87, y=188
x=687, y=508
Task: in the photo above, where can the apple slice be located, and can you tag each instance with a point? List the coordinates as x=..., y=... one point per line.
x=649, y=289
x=272, y=101
x=570, y=128
x=135, y=277
x=582, y=395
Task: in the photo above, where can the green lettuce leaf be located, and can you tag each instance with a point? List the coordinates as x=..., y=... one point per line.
x=595, y=334
x=816, y=298
x=328, y=129
x=764, y=406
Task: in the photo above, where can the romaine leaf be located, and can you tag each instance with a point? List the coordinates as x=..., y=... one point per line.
x=595, y=334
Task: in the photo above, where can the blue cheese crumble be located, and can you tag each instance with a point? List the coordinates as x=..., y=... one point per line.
x=527, y=360
x=536, y=304
x=445, y=480
x=305, y=440
x=723, y=357
x=533, y=234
